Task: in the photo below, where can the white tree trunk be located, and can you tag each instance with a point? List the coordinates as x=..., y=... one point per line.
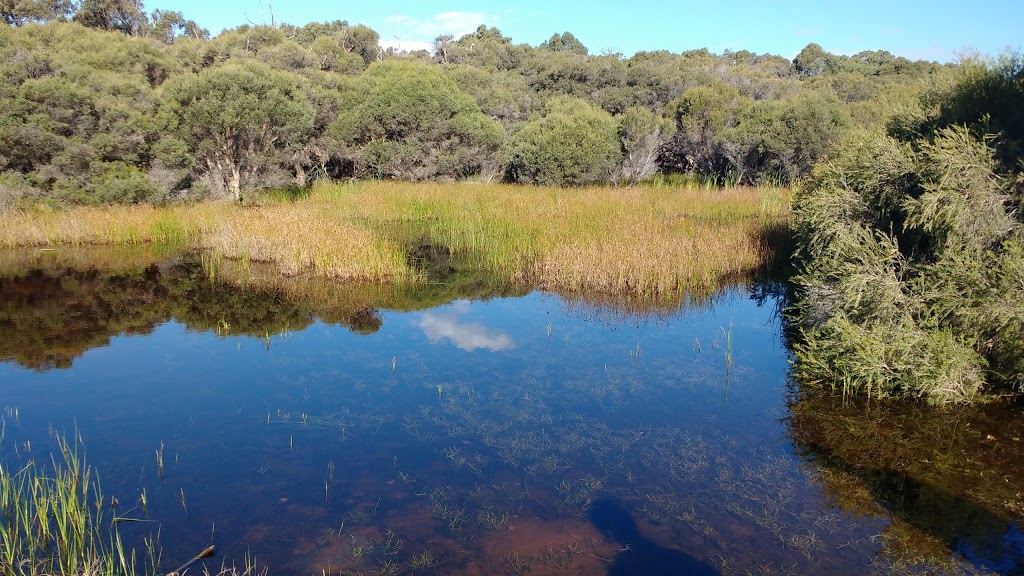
x=235, y=183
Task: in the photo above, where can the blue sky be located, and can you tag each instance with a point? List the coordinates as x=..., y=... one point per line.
x=932, y=30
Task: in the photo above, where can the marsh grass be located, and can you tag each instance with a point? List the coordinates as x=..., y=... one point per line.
x=53, y=520
x=644, y=241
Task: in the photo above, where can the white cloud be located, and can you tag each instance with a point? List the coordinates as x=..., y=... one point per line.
x=467, y=336
x=419, y=34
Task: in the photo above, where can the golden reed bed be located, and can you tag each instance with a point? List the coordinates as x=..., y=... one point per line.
x=640, y=241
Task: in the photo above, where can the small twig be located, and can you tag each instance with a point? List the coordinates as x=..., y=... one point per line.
x=207, y=553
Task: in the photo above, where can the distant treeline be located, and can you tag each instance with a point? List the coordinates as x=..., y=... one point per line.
x=102, y=102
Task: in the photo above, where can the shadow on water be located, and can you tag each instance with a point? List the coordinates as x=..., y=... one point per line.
x=946, y=481
x=642, y=556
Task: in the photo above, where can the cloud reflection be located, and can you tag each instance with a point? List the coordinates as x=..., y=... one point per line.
x=468, y=336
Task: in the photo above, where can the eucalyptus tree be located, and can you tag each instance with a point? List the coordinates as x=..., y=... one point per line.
x=21, y=12
x=240, y=120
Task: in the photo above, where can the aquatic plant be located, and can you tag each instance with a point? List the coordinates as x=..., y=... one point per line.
x=53, y=521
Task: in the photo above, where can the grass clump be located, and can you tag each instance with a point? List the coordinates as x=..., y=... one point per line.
x=53, y=521
x=644, y=241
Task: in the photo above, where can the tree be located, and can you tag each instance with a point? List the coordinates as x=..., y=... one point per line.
x=126, y=16
x=487, y=48
x=573, y=143
x=238, y=119
x=166, y=25
x=407, y=120
x=700, y=115
x=564, y=43
x=642, y=135
x=814, y=61
x=441, y=45
x=21, y=12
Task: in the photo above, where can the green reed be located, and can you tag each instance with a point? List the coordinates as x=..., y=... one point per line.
x=53, y=520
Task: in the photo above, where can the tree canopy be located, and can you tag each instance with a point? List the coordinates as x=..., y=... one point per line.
x=106, y=101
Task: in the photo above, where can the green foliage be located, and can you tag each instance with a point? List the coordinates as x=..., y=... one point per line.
x=81, y=102
x=410, y=121
x=564, y=43
x=21, y=12
x=911, y=281
x=719, y=131
x=814, y=61
x=641, y=134
x=988, y=96
x=85, y=105
x=572, y=143
x=502, y=96
x=127, y=16
x=700, y=115
x=240, y=120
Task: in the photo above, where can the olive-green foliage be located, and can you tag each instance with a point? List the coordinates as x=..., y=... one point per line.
x=572, y=143
x=641, y=134
x=502, y=96
x=782, y=137
x=21, y=12
x=338, y=38
x=78, y=108
x=700, y=115
x=487, y=48
x=79, y=122
x=987, y=94
x=720, y=131
x=564, y=43
x=239, y=120
x=912, y=278
x=410, y=121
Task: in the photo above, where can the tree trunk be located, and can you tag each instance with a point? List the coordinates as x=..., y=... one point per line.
x=300, y=175
x=235, y=183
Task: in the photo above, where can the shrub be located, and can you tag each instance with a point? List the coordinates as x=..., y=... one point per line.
x=572, y=143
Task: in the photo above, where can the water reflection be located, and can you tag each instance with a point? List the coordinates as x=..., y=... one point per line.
x=947, y=481
x=467, y=336
x=311, y=424
x=638, y=555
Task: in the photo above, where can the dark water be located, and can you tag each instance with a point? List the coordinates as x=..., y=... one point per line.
x=476, y=428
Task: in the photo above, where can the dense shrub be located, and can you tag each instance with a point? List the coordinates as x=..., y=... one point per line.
x=912, y=277
x=410, y=121
x=572, y=143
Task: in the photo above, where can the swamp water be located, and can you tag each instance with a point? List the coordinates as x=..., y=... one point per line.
x=470, y=427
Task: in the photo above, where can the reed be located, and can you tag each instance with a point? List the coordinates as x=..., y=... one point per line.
x=644, y=241
x=53, y=520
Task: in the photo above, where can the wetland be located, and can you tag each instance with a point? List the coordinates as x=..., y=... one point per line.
x=472, y=425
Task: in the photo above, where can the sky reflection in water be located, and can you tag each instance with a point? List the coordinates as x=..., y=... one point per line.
x=446, y=324
x=499, y=436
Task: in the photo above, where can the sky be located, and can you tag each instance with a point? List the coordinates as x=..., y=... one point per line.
x=929, y=30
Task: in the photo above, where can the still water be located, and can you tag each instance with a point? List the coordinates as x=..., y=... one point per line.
x=470, y=427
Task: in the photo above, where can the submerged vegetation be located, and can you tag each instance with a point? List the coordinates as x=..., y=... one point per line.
x=907, y=173
x=401, y=455
x=946, y=478
x=361, y=181
x=55, y=522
